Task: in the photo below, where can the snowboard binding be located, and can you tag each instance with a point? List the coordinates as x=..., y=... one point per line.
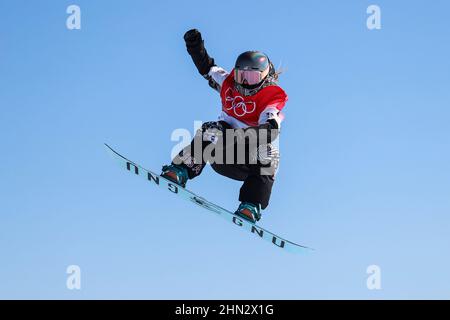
x=176, y=174
x=249, y=211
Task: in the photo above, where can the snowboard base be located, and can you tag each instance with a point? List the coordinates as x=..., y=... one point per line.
x=184, y=193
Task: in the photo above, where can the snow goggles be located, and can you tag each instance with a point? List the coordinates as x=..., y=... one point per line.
x=250, y=77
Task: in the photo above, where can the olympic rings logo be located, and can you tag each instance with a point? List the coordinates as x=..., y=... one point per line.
x=238, y=104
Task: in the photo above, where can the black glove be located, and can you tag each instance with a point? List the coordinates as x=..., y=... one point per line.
x=196, y=49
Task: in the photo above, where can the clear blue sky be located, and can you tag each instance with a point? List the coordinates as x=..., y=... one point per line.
x=364, y=174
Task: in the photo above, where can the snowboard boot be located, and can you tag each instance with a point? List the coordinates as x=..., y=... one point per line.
x=176, y=174
x=249, y=211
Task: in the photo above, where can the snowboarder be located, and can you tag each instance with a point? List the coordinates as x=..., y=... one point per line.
x=251, y=102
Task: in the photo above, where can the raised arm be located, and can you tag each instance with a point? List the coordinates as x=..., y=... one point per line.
x=204, y=63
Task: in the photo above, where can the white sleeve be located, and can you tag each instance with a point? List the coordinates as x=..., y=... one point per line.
x=218, y=74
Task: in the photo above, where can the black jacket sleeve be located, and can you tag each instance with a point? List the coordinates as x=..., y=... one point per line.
x=196, y=49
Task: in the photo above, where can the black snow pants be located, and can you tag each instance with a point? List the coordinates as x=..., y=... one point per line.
x=258, y=177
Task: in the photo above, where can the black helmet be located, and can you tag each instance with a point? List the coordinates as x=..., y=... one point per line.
x=251, y=70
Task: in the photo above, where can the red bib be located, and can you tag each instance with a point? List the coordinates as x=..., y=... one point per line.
x=247, y=109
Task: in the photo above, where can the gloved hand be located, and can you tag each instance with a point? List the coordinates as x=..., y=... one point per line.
x=212, y=131
x=196, y=49
x=193, y=37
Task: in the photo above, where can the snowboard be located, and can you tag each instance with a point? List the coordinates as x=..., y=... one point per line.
x=184, y=193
